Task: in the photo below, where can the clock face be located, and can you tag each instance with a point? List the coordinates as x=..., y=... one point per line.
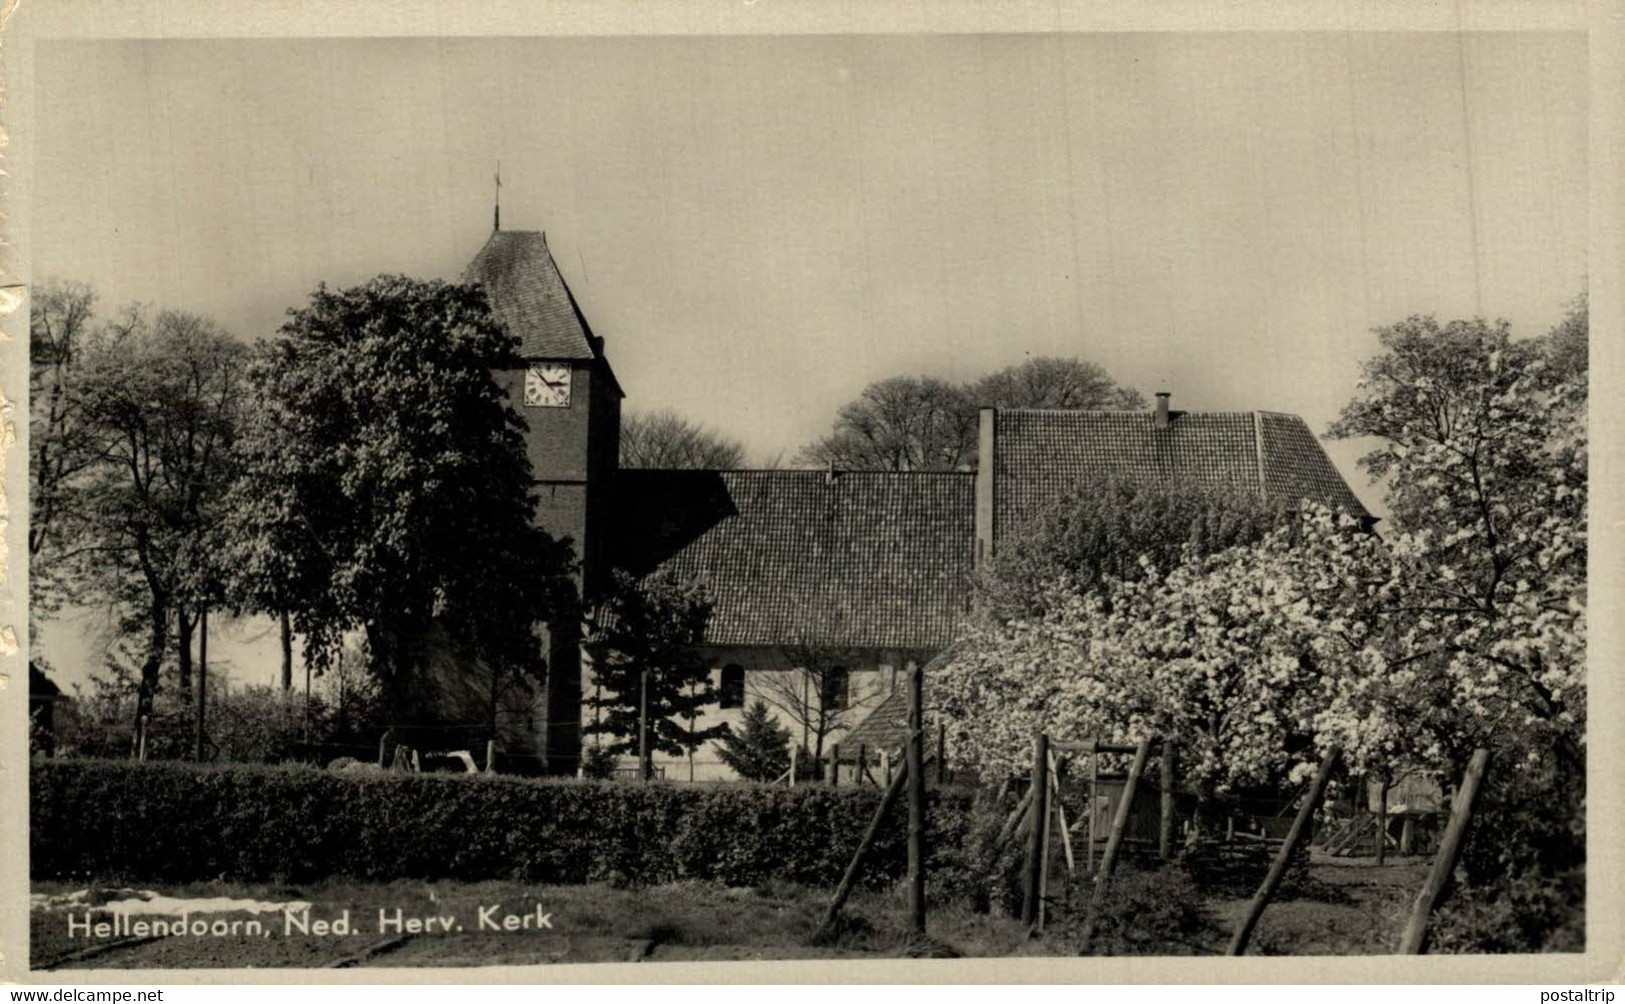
x=547, y=386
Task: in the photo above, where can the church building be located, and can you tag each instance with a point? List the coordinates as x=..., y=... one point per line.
x=860, y=572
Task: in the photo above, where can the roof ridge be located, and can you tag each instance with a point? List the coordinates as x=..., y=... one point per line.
x=1138, y=412
x=820, y=471
x=1075, y=411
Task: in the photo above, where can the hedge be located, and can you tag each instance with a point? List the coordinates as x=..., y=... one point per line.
x=179, y=822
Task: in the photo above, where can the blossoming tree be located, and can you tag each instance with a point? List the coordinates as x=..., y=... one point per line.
x=1463, y=626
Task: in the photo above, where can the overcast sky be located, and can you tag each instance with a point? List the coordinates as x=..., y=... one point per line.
x=761, y=226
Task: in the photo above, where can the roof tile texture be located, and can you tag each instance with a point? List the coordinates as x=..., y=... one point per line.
x=860, y=559
x=1041, y=454
x=529, y=296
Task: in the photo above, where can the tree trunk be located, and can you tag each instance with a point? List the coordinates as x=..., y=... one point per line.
x=645, y=760
x=202, y=682
x=157, y=642
x=287, y=654
x=184, y=625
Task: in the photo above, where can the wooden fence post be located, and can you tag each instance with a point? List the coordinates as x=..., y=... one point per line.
x=1034, y=864
x=1045, y=853
x=141, y=739
x=942, y=753
x=1283, y=857
x=1165, y=828
x=1461, y=813
x=834, y=765
x=915, y=760
x=793, y=751
x=490, y=756
x=1060, y=815
x=863, y=765
x=1094, y=806
x=1114, y=841
x=1382, y=820
x=854, y=869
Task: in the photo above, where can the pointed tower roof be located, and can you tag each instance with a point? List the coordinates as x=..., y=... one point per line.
x=531, y=298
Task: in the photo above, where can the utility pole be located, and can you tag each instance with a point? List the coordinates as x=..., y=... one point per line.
x=915, y=761
x=202, y=676
x=645, y=768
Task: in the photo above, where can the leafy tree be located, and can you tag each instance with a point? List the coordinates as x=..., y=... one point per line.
x=158, y=403
x=1053, y=382
x=385, y=486
x=665, y=439
x=908, y=423
x=760, y=750
x=648, y=628
x=1119, y=528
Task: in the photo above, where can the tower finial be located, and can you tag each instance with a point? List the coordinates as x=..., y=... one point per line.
x=496, y=212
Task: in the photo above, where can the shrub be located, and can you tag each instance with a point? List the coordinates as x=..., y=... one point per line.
x=598, y=763
x=969, y=864
x=1523, y=913
x=1143, y=913
x=182, y=822
x=1522, y=869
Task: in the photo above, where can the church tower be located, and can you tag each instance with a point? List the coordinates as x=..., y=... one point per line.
x=570, y=401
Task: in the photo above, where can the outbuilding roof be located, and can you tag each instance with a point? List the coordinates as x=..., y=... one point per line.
x=530, y=297
x=862, y=559
x=1039, y=455
x=884, y=729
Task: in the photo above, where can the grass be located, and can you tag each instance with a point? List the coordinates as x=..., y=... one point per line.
x=1344, y=910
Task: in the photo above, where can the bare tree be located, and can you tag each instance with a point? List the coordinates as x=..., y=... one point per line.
x=59, y=330
x=159, y=404
x=901, y=424
x=816, y=694
x=1054, y=382
x=910, y=423
x=665, y=439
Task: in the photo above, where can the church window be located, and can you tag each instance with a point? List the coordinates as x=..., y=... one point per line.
x=836, y=689
x=732, y=691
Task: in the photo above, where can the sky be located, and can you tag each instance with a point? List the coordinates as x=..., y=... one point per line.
x=761, y=226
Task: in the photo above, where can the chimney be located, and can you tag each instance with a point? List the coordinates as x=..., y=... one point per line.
x=1162, y=409
x=987, y=425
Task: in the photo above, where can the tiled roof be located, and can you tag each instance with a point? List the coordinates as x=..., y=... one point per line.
x=1041, y=454
x=885, y=728
x=860, y=559
x=1296, y=467
x=529, y=296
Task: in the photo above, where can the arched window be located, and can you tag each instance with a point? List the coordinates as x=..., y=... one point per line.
x=732, y=691
x=836, y=689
